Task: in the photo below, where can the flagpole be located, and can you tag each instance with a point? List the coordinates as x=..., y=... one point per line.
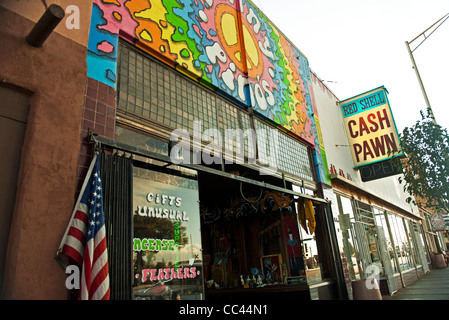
x=92, y=164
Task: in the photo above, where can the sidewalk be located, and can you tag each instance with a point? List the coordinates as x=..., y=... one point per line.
x=432, y=286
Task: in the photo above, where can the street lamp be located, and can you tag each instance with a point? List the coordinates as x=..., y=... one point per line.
x=414, y=63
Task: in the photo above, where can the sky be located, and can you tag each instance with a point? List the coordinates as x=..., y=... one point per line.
x=358, y=45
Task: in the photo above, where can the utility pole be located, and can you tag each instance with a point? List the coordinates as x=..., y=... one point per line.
x=420, y=81
x=429, y=108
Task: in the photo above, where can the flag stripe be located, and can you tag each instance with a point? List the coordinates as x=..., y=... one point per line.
x=99, y=268
x=98, y=282
x=100, y=257
x=77, y=235
x=85, y=276
x=74, y=246
x=86, y=239
x=101, y=244
x=73, y=253
x=81, y=213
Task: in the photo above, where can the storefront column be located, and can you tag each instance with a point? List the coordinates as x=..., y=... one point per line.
x=339, y=273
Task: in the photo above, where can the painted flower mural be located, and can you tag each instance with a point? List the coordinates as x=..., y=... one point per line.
x=227, y=45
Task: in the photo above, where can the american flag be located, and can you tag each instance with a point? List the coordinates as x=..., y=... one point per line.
x=85, y=241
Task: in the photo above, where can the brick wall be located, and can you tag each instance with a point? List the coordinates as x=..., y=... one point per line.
x=98, y=117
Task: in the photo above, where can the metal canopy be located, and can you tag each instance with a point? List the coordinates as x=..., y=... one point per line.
x=159, y=157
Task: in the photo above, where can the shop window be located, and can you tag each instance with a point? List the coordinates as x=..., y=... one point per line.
x=422, y=242
x=382, y=222
x=367, y=237
x=167, y=249
x=350, y=247
x=411, y=232
x=312, y=262
x=250, y=240
x=311, y=249
x=402, y=246
x=364, y=238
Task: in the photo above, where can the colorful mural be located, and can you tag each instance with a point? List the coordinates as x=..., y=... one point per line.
x=226, y=45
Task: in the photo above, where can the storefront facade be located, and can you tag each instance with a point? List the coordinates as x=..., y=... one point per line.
x=209, y=147
x=220, y=177
x=381, y=236
x=216, y=144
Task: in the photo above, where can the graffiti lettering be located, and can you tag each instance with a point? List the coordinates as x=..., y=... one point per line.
x=228, y=44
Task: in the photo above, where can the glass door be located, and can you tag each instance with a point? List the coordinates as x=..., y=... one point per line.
x=418, y=245
x=386, y=260
x=365, y=234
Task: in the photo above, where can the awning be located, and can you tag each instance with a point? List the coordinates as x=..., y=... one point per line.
x=166, y=159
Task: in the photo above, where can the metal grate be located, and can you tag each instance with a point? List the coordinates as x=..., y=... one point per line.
x=291, y=156
x=155, y=92
x=235, y=119
x=116, y=174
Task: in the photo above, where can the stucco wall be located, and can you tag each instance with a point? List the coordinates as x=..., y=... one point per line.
x=75, y=24
x=55, y=75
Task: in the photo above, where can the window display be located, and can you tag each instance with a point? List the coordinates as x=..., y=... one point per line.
x=251, y=241
x=167, y=251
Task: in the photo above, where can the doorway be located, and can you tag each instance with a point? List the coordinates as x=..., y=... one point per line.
x=13, y=121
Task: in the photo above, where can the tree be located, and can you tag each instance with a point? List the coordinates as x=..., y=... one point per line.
x=426, y=168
